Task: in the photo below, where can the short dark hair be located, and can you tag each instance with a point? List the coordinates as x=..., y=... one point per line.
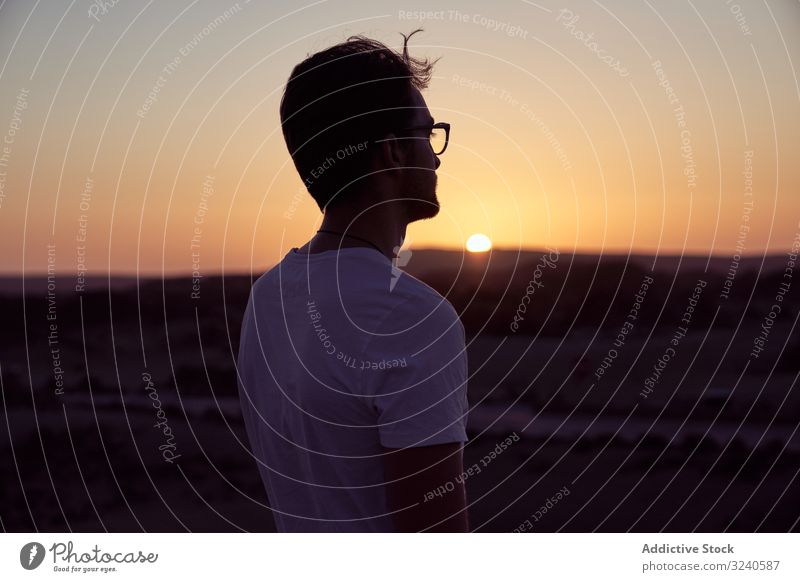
x=340, y=97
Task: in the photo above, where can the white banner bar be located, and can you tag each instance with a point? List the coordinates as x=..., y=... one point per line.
x=400, y=557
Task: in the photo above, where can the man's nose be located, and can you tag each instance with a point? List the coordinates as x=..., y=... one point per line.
x=438, y=162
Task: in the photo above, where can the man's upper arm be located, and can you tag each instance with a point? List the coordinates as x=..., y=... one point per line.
x=413, y=475
x=421, y=409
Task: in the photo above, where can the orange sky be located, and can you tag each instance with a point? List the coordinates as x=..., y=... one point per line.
x=567, y=128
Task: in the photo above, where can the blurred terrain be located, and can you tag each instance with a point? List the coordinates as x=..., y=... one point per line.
x=714, y=445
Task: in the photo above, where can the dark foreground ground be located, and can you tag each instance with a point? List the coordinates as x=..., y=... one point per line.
x=714, y=445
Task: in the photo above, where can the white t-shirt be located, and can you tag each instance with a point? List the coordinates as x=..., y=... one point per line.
x=341, y=353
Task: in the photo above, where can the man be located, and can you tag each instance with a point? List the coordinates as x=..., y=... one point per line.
x=353, y=380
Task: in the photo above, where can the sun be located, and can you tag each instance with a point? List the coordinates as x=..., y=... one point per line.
x=478, y=243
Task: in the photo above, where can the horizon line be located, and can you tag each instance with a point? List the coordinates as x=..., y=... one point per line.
x=239, y=272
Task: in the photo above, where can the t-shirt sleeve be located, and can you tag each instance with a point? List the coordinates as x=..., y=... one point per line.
x=416, y=376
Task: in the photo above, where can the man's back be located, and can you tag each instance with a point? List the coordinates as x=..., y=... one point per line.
x=341, y=359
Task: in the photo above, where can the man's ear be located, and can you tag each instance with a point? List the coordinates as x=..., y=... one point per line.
x=392, y=154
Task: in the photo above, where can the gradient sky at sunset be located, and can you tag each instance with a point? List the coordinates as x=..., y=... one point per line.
x=605, y=126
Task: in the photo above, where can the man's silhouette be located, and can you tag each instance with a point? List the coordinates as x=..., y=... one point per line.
x=352, y=378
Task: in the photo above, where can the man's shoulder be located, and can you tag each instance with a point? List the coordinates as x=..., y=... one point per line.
x=412, y=304
x=368, y=289
x=407, y=285
x=417, y=295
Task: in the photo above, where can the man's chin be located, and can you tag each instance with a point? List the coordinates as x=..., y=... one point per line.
x=421, y=210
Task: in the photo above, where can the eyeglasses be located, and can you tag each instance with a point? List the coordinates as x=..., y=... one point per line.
x=438, y=134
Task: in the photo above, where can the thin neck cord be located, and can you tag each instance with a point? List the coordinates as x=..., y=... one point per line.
x=353, y=237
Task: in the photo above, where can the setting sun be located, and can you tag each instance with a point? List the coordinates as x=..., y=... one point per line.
x=478, y=243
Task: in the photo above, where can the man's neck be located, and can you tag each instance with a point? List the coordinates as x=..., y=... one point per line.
x=384, y=234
